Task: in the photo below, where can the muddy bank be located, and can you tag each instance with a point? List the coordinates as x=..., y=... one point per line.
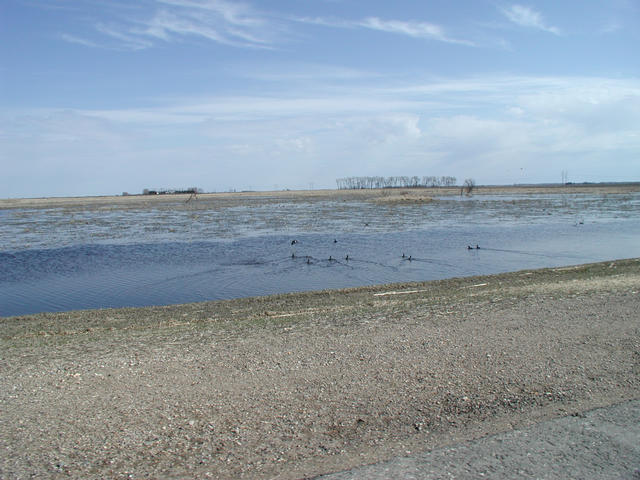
x=296, y=385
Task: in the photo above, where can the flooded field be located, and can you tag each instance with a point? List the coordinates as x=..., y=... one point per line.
x=99, y=255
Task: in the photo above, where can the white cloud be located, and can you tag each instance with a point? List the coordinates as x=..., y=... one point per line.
x=389, y=129
x=236, y=13
x=305, y=73
x=414, y=29
x=300, y=144
x=611, y=27
x=486, y=127
x=527, y=17
x=411, y=29
x=77, y=40
x=234, y=24
x=124, y=39
x=230, y=23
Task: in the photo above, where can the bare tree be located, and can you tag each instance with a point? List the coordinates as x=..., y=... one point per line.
x=353, y=183
x=448, y=181
x=468, y=186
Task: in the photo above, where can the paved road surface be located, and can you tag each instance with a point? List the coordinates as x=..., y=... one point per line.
x=601, y=444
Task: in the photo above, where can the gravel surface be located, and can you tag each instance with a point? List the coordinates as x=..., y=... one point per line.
x=602, y=443
x=293, y=386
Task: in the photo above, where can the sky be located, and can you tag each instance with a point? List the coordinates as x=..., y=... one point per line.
x=102, y=97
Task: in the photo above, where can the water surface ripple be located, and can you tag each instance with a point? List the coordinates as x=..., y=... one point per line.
x=75, y=258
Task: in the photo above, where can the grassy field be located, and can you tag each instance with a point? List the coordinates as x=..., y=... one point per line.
x=407, y=194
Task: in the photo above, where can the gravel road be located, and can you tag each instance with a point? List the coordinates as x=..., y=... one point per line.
x=294, y=386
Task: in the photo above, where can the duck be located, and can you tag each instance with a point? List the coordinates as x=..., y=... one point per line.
x=293, y=242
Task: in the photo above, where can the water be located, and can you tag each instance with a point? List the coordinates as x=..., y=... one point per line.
x=93, y=257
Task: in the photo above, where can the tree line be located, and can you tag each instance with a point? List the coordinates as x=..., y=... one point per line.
x=172, y=191
x=352, y=183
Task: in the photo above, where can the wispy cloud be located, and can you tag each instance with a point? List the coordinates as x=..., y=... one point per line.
x=611, y=27
x=230, y=23
x=307, y=73
x=234, y=24
x=414, y=29
x=78, y=40
x=528, y=17
x=124, y=38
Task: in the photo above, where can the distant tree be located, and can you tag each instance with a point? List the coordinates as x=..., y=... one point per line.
x=353, y=183
x=468, y=186
x=448, y=181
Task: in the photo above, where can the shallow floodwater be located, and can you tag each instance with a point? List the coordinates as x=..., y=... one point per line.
x=93, y=257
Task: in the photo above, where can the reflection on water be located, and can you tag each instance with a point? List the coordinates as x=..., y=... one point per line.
x=61, y=259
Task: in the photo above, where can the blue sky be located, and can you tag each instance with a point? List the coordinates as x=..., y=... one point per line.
x=101, y=97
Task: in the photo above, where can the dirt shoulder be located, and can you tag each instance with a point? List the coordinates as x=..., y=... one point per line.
x=292, y=386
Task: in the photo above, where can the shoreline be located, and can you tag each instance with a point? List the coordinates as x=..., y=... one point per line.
x=295, y=385
x=318, y=298
x=138, y=200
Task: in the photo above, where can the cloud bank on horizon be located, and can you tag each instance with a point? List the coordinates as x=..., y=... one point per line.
x=105, y=97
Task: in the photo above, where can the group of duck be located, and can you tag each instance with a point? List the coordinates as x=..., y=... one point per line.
x=331, y=259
